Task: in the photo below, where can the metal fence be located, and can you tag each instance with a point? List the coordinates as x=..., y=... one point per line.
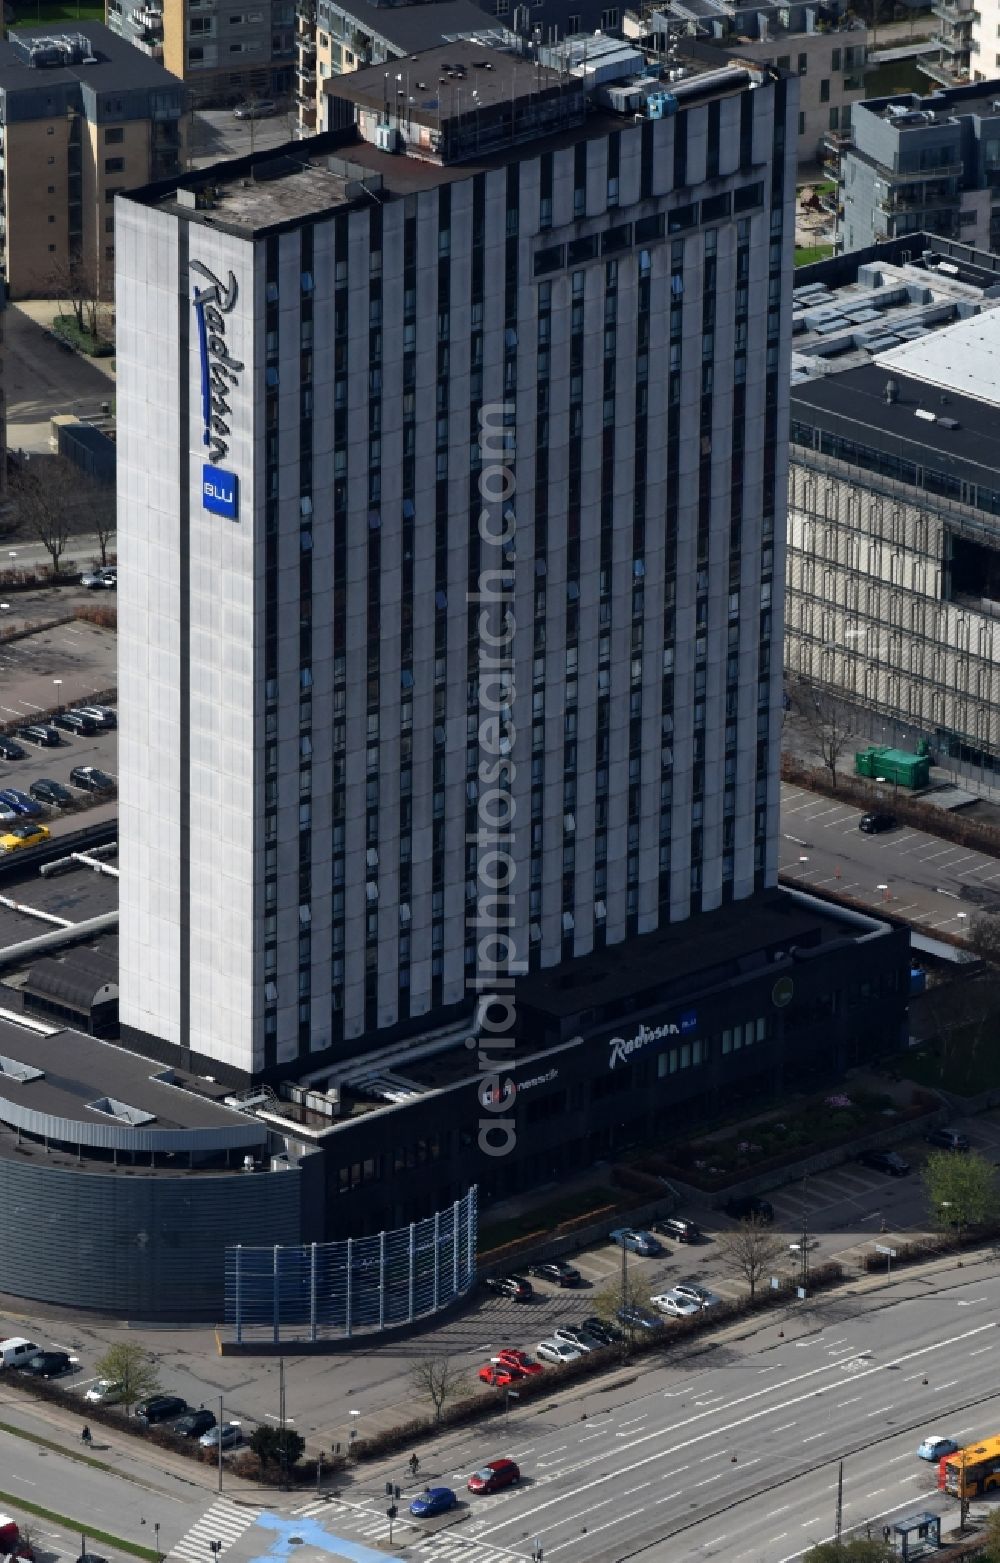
x=329, y=1291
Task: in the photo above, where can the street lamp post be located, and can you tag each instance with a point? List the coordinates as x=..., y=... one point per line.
x=392, y=1493
x=156, y=1538
x=57, y=682
x=220, y=1443
x=537, y=1553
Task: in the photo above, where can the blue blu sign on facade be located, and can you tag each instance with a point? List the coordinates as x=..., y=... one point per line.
x=220, y=492
x=220, y=374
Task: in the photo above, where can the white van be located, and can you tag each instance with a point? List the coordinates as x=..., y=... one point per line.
x=15, y=1351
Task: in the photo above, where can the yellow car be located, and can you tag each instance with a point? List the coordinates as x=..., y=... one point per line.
x=27, y=834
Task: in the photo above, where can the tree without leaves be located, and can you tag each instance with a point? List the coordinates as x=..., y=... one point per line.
x=132, y=1369
x=43, y=495
x=984, y=937
x=752, y=1249
x=963, y=1009
x=621, y=1296
x=73, y=283
x=438, y=1380
x=829, y=727
x=95, y=511
x=961, y=1189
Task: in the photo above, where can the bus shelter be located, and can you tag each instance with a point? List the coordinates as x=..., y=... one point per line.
x=917, y=1536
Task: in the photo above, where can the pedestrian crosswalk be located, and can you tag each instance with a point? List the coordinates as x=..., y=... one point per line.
x=223, y=1522
x=363, y=1522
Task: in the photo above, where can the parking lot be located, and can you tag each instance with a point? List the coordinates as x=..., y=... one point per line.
x=843, y=1211
x=60, y=666
x=931, y=883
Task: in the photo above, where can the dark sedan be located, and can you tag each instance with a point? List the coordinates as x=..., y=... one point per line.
x=889, y=1162
x=558, y=1271
x=48, y=1364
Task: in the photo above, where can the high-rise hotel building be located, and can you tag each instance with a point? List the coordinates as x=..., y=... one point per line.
x=310, y=343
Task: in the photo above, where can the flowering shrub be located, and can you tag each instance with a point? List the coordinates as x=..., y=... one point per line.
x=838, y=1101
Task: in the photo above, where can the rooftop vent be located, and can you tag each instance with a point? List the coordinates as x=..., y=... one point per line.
x=922, y=412
x=121, y=1111
x=949, y=423
x=891, y=392
x=11, y=1069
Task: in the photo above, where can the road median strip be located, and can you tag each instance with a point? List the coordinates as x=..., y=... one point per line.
x=118, y=1542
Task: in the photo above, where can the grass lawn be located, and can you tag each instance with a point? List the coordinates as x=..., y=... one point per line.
x=42, y=12
x=543, y=1218
x=806, y=254
x=95, y=347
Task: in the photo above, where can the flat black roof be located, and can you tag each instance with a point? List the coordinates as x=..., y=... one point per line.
x=733, y=941
x=79, y=1069
x=416, y=27
x=118, y=65
x=853, y=405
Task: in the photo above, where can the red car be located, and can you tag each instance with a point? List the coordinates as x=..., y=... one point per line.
x=494, y=1476
x=510, y=1358
x=499, y=1375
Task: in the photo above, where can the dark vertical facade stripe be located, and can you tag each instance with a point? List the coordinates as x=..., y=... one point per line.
x=184, y=648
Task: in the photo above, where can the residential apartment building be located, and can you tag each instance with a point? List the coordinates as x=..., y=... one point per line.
x=893, y=581
x=83, y=116
x=826, y=52
x=924, y=165
x=954, y=34
x=334, y=36
x=223, y=54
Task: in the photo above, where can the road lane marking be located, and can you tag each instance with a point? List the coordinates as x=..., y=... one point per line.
x=717, y=1433
x=879, y=1410
x=813, y=1437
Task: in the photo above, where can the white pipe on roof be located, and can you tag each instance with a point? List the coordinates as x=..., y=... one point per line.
x=33, y=911
x=58, y=939
x=94, y=862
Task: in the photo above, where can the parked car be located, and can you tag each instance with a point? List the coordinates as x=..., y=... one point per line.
x=636, y=1318
x=103, y=579
x=602, y=1330
x=104, y=1392
x=697, y=1294
x=26, y=833
x=510, y=1357
x=745, y=1207
x=75, y=722
x=874, y=824
x=558, y=1271
x=499, y=1375
x=679, y=1228
x=193, y=1423
x=229, y=1435
x=935, y=1448
x=510, y=1286
x=90, y=779
x=10, y=749
x=494, y=1476
x=7, y=815
x=48, y=1364
x=259, y=108
x=432, y=1501
x=160, y=1408
x=573, y=1335
x=44, y=790
x=20, y=802
x=106, y=720
x=677, y=1307
x=889, y=1162
x=41, y=733
x=635, y=1240
x=948, y=1140
x=557, y=1351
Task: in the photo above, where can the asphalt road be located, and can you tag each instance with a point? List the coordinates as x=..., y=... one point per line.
x=650, y=1472
x=931, y=883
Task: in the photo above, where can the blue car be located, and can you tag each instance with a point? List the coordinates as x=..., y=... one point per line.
x=432, y=1501
x=20, y=802
x=635, y=1318
x=635, y=1240
x=934, y=1447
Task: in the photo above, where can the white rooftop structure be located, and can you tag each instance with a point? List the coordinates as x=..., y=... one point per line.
x=964, y=358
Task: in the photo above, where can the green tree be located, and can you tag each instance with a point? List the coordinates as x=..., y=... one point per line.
x=132, y=1369
x=277, y=1446
x=961, y=1189
x=858, y=1550
x=752, y=1249
x=991, y=1531
x=622, y=1296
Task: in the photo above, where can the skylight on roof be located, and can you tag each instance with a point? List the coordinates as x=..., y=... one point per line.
x=11, y=1069
x=112, y=1108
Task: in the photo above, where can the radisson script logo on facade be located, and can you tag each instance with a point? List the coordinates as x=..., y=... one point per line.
x=220, y=372
x=622, y=1048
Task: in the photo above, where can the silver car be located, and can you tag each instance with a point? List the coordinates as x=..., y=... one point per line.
x=229, y=1435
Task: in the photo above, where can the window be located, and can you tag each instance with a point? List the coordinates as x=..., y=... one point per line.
x=681, y=217
x=114, y=136
x=52, y=249
x=51, y=219
x=803, y=64
x=198, y=25
x=548, y=260
x=746, y=199
x=109, y=252
x=715, y=208
x=609, y=19
x=650, y=228
x=802, y=124
x=824, y=90
x=581, y=250
x=109, y=225
x=572, y=25
x=114, y=165
x=195, y=55
x=834, y=119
